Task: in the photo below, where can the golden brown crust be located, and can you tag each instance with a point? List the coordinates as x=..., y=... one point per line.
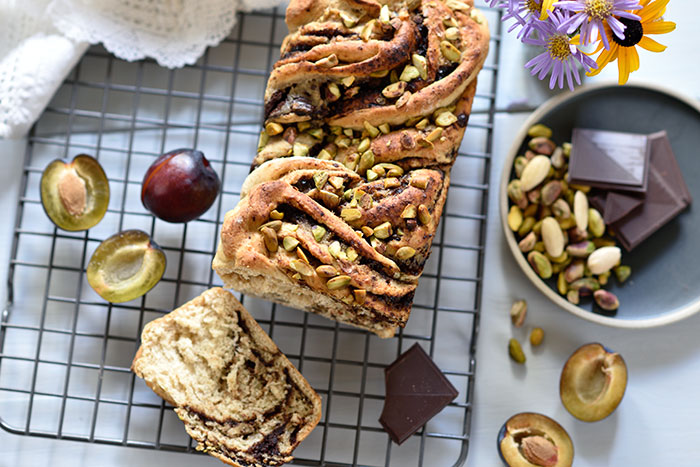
x=365, y=112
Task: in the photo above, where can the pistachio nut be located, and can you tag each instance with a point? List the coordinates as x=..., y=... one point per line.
x=539, y=246
x=606, y=300
x=326, y=271
x=622, y=273
x=274, y=225
x=273, y=128
x=537, y=228
x=405, y=253
x=518, y=311
x=536, y=336
x=585, y=286
x=542, y=145
x=604, y=278
x=561, y=209
x=561, y=259
x=574, y=271
x=573, y=297
x=566, y=147
x=409, y=212
x=421, y=65
x=515, y=218
x=530, y=210
x=553, y=237
x=270, y=239
x=558, y=159
x=318, y=232
x=351, y=253
x=604, y=259
x=450, y=52
x=394, y=90
x=539, y=130
x=290, y=243
x=367, y=230
x=409, y=73
x=550, y=192
x=528, y=243
x=581, y=249
x=544, y=211
x=519, y=165
x=383, y=231
x=581, y=210
x=350, y=214
x=445, y=118
x=334, y=249
x=596, y=225
x=338, y=282
x=329, y=199
x=302, y=267
x=556, y=267
x=276, y=215
x=600, y=242
x=526, y=226
x=424, y=215
x=535, y=172
x=562, y=284
x=516, y=351
x=360, y=296
x=540, y=264
x=534, y=196
x=577, y=235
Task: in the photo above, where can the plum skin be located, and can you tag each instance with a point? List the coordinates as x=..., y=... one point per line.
x=180, y=186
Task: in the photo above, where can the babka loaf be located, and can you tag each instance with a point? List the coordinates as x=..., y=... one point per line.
x=238, y=395
x=364, y=115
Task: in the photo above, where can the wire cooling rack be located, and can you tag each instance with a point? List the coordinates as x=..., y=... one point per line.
x=65, y=353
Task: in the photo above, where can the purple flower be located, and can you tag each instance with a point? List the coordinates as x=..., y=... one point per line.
x=525, y=13
x=561, y=56
x=591, y=15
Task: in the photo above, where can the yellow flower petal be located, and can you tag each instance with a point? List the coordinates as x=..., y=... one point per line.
x=653, y=11
x=623, y=66
x=603, y=59
x=659, y=27
x=633, y=59
x=651, y=45
x=547, y=6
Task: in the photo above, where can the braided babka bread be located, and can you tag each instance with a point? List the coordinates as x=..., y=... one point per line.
x=364, y=115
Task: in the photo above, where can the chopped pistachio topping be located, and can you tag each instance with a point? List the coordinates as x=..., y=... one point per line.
x=274, y=225
x=403, y=100
x=262, y=141
x=392, y=182
x=300, y=150
x=405, y=252
x=421, y=65
x=318, y=232
x=320, y=179
x=303, y=126
x=383, y=231
x=301, y=267
x=371, y=175
x=422, y=124
x=275, y=214
x=385, y=128
x=384, y=14
x=366, y=161
x=372, y=130
x=450, y=52
x=394, y=90
x=290, y=243
x=434, y=135
x=363, y=146
x=336, y=182
x=409, y=73
x=334, y=249
x=351, y=214
x=367, y=230
x=327, y=62
x=302, y=256
x=326, y=271
x=330, y=199
x=445, y=119
x=419, y=182
x=338, y=282
x=273, y=128
x=334, y=90
x=270, y=239
x=360, y=296
x=352, y=254
x=457, y=5
x=324, y=155
x=409, y=212
x=317, y=133
x=366, y=33
x=451, y=33
x=348, y=20
x=424, y=215
x=379, y=74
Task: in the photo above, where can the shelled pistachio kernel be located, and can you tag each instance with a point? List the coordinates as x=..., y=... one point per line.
x=318, y=232
x=409, y=212
x=409, y=73
x=301, y=267
x=518, y=312
x=273, y=128
x=338, y=282
x=326, y=271
x=276, y=215
x=422, y=124
x=536, y=336
x=348, y=20
x=384, y=14
x=372, y=130
x=421, y=65
x=539, y=130
x=452, y=33
x=360, y=296
x=290, y=243
x=351, y=214
x=383, y=231
x=269, y=238
x=516, y=351
x=300, y=150
x=424, y=215
x=622, y=273
x=445, y=119
x=367, y=30
x=450, y=52
x=405, y=252
x=515, y=218
x=351, y=254
x=394, y=90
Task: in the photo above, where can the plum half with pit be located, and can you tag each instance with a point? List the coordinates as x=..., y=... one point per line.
x=180, y=186
x=593, y=382
x=529, y=438
x=125, y=266
x=75, y=194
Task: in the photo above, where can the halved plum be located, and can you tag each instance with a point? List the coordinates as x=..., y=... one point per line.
x=75, y=194
x=529, y=438
x=125, y=266
x=180, y=186
x=593, y=382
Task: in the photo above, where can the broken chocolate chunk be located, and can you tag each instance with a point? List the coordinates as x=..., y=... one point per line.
x=667, y=195
x=416, y=391
x=610, y=160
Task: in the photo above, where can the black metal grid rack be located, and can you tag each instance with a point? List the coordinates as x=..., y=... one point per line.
x=65, y=353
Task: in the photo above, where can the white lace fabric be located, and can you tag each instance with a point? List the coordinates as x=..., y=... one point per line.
x=42, y=40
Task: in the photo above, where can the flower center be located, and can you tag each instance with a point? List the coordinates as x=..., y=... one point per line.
x=598, y=9
x=534, y=6
x=559, y=47
x=634, y=32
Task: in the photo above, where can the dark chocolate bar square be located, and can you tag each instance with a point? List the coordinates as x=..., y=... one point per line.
x=609, y=160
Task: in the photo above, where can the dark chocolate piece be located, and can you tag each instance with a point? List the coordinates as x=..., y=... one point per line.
x=416, y=391
x=619, y=205
x=609, y=160
x=667, y=195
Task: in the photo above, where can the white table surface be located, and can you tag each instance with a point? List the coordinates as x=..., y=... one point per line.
x=657, y=421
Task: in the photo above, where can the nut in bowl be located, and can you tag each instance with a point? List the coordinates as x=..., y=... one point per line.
x=587, y=258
